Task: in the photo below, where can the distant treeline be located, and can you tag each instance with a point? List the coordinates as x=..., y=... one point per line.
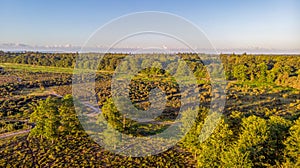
x=279, y=69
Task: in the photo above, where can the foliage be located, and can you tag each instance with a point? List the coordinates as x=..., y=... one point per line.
x=54, y=117
x=260, y=126
x=292, y=150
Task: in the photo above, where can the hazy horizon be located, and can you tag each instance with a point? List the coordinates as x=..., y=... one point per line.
x=74, y=49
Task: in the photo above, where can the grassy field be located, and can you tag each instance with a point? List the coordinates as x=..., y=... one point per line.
x=36, y=68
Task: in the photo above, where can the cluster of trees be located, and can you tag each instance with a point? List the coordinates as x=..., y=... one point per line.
x=57, y=140
x=247, y=141
x=239, y=140
x=245, y=136
x=15, y=103
x=54, y=117
x=279, y=69
x=38, y=58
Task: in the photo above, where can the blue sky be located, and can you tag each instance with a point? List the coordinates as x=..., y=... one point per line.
x=227, y=23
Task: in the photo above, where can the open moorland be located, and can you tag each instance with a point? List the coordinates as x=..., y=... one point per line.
x=260, y=124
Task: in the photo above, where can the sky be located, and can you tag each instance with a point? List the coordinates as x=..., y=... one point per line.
x=230, y=25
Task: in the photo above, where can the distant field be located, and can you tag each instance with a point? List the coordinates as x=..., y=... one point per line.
x=36, y=68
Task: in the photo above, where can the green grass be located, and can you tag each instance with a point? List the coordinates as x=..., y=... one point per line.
x=52, y=69
x=35, y=68
x=257, y=84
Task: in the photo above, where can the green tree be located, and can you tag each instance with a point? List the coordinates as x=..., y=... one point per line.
x=54, y=117
x=133, y=64
x=146, y=63
x=182, y=69
x=111, y=114
x=172, y=68
x=69, y=123
x=201, y=72
x=156, y=67
x=278, y=128
x=114, y=118
x=234, y=157
x=240, y=72
x=262, y=75
x=253, y=139
x=292, y=150
x=271, y=76
x=46, y=119
x=213, y=148
x=123, y=67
